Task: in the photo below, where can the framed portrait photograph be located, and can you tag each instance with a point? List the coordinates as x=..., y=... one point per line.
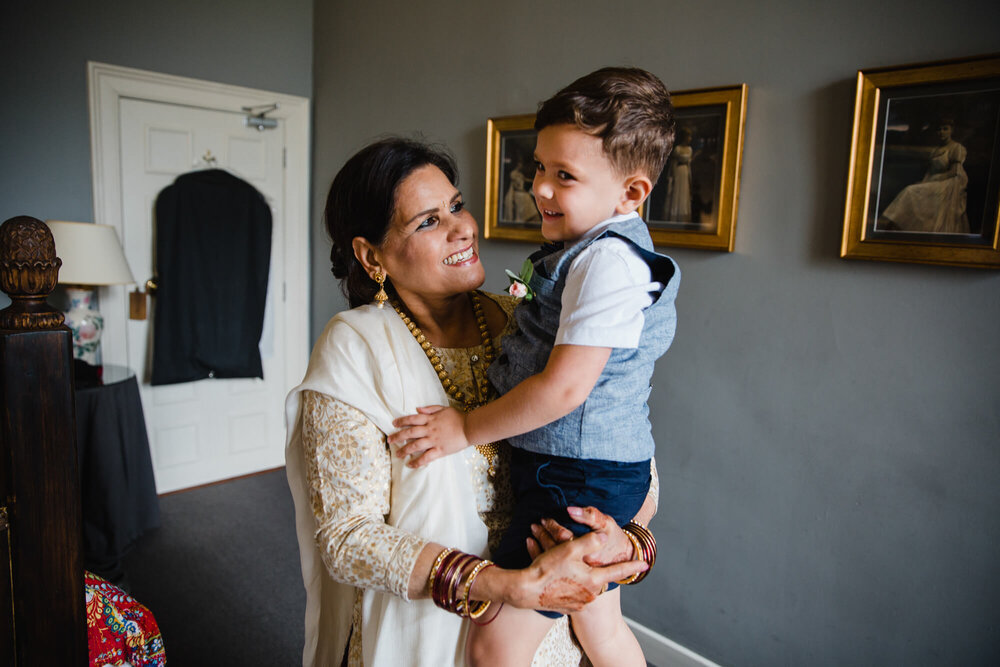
x=510, y=169
x=924, y=176
x=693, y=203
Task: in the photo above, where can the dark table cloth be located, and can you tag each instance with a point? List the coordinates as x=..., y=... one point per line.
x=116, y=471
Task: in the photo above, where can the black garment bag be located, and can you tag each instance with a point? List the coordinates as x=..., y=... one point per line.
x=213, y=254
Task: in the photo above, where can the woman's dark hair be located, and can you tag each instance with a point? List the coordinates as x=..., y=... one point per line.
x=362, y=202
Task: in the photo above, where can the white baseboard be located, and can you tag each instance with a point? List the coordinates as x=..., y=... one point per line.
x=662, y=652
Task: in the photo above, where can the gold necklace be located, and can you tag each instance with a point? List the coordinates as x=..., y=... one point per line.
x=469, y=403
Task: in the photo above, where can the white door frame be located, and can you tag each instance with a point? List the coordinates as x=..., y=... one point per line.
x=108, y=84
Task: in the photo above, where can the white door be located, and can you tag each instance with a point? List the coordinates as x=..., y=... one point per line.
x=215, y=428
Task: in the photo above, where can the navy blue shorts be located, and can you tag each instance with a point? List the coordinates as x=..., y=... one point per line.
x=545, y=485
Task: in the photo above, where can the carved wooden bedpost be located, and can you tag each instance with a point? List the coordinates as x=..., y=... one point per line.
x=42, y=594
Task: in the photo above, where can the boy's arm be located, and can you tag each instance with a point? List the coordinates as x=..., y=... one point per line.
x=563, y=385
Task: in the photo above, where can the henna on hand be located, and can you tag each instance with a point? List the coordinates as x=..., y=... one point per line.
x=564, y=593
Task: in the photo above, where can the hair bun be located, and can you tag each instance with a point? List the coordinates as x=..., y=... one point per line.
x=339, y=265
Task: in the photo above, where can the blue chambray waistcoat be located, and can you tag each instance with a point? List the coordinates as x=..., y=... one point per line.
x=613, y=423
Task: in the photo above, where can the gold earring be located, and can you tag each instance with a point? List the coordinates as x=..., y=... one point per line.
x=380, y=296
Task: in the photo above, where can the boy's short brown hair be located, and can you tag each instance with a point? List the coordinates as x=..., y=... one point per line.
x=628, y=108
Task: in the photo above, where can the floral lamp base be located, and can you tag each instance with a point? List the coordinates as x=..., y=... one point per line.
x=86, y=323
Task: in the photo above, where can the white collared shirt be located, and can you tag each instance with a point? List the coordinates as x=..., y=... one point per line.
x=608, y=286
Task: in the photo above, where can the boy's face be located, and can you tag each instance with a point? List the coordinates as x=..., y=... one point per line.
x=575, y=184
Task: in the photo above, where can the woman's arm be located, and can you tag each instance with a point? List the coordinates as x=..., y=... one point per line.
x=349, y=472
x=514, y=587
x=558, y=580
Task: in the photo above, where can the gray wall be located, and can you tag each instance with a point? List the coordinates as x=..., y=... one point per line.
x=45, y=156
x=828, y=432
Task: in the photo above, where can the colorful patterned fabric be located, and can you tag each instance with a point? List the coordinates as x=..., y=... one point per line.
x=120, y=631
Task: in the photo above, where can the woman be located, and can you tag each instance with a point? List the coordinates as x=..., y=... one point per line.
x=519, y=203
x=937, y=204
x=678, y=200
x=364, y=518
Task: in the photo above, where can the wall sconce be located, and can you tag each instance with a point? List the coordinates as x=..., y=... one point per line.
x=91, y=256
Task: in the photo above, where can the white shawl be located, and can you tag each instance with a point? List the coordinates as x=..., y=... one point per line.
x=367, y=358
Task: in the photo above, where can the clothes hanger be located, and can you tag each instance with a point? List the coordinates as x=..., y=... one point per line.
x=209, y=161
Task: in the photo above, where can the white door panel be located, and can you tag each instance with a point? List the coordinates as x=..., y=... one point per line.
x=215, y=428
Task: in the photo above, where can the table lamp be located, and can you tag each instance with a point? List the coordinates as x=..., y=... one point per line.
x=91, y=256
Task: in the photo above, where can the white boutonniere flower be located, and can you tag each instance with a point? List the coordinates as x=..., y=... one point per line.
x=519, y=284
x=518, y=290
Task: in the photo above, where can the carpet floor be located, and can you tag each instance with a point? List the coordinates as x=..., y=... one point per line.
x=221, y=575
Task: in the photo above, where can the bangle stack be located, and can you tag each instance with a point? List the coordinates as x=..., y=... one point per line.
x=645, y=549
x=451, y=580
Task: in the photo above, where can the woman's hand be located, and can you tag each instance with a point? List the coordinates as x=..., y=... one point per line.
x=547, y=534
x=433, y=432
x=560, y=579
x=616, y=549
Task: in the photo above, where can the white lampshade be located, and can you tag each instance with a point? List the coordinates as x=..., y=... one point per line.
x=90, y=254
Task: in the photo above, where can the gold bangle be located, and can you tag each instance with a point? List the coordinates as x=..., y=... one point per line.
x=483, y=604
x=648, y=543
x=436, y=566
x=480, y=609
x=637, y=555
x=466, y=609
x=645, y=549
x=646, y=539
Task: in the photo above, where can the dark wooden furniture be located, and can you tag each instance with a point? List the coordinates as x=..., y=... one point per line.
x=43, y=621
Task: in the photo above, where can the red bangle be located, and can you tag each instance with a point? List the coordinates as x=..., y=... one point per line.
x=447, y=584
x=451, y=579
x=436, y=586
x=451, y=568
x=492, y=618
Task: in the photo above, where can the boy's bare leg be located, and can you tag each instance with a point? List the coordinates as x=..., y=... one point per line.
x=605, y=637
x=510, y=640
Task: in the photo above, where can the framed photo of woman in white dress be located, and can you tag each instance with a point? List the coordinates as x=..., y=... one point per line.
x=693, y=203
x=510, y=169
x=924, y=180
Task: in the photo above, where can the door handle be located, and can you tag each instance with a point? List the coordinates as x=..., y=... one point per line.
x=137, y=300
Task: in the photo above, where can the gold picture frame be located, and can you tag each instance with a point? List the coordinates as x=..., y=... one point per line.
x=694, y=202
x=510, y=207
x=924, y=175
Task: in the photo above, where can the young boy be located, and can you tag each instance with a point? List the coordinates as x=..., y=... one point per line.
x=575, y=379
